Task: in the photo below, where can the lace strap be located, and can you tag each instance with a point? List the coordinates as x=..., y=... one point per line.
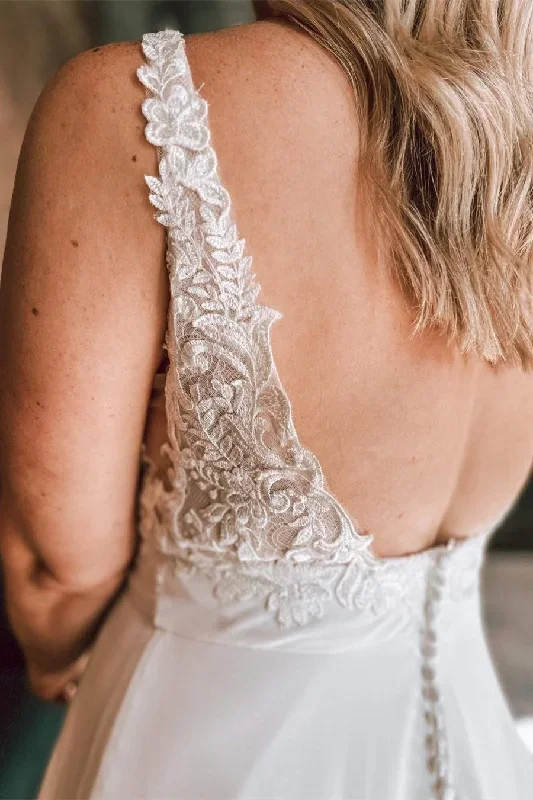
x=178, y=128
x=225, y=402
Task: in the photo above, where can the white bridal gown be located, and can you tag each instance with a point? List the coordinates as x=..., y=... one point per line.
x=261, y=650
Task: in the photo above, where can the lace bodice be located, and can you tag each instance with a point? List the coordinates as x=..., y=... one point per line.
x=243, y=501
x=240, y=505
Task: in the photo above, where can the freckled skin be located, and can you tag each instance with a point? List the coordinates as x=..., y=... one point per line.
x=85, y=385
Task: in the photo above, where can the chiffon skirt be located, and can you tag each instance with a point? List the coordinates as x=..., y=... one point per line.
x=162, y=715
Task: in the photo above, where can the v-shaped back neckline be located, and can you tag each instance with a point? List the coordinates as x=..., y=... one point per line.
x=177, y=172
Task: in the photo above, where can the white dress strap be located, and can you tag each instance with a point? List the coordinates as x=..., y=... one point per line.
x=266, y=499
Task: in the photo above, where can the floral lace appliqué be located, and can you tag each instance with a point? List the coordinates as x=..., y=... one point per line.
x=243, y=502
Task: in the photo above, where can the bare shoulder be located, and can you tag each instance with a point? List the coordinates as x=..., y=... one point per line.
x=268, y=70
x=95, y=73
x=275, y=52
x=92, y=105
x=266, y=73
x=84, y=158
x=272, y=74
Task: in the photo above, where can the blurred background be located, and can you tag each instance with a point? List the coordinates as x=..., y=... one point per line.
x=36, y=38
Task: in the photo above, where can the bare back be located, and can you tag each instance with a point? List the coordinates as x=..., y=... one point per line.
x=419, y=443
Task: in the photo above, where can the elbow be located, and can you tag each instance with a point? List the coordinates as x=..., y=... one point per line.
x=54, y=563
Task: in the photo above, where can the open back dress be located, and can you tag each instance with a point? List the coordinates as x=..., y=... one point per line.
x=260, y=649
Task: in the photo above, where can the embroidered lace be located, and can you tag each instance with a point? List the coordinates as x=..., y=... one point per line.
x=243, y=501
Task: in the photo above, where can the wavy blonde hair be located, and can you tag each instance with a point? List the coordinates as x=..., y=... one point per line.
x=445, y=94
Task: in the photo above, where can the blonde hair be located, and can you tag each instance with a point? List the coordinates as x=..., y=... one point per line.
x=445, y=94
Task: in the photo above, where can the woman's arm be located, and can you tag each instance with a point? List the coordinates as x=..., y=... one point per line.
x=83, y=302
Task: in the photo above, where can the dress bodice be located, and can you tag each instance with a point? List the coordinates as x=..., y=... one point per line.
x=241, y=500
x=243, y=543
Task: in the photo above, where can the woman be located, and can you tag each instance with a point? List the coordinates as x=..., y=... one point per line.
x=245, y=636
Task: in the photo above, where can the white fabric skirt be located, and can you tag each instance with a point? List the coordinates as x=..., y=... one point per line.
x=160, y=715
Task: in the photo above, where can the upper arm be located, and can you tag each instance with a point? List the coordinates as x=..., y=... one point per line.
x=83, y=303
